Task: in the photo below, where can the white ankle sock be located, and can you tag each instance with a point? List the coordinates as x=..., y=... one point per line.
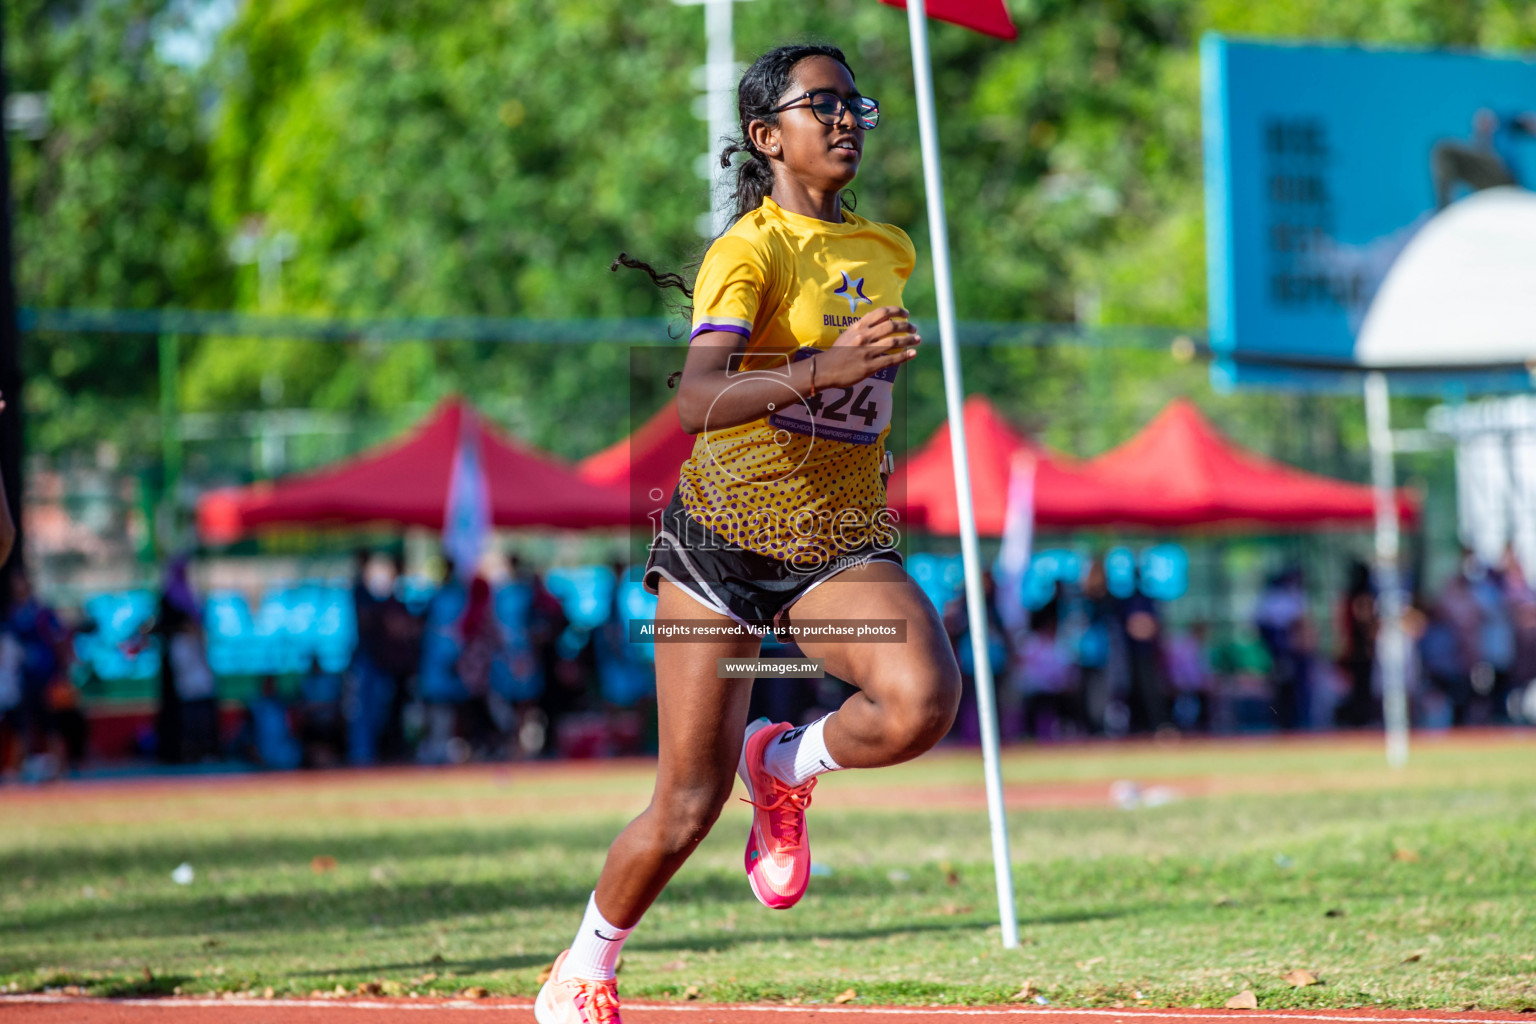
x=595, y=950
x=800, y=754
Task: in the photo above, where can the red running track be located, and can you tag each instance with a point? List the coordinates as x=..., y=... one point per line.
x=66, y=1010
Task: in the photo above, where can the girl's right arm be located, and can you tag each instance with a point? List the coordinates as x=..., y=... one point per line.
x=715, y=395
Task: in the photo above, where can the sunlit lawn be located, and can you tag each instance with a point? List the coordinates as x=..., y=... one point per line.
x=1413, y=889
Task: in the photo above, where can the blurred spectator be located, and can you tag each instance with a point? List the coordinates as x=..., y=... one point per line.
x=369, y=700
x=480, y=639
x=517, y=680
x=1100, y=655
x=482, y=647
x=1314, y=697
x=196, y=691
x=1496, y=641
x=1517, y=590
x=46, y=658
x=564, y=687
x=957, y=623
x=177, y=603
x=322, y=727
x=1281, y=620
x=11, y=657
x=1443, y=664
x=1241, y=686
x=1143, y=628
x=272, y=744
x=1189, y=678
x=1045, y=677
x=1475, y=605
x=397, y=657
x=441, y=689
x=1524, y=674
x=624, y=678
x=168, y=711
x=66, y=719
x=1357, y=647
x=1521, y=601
x=176, y=587
x=1458, y=608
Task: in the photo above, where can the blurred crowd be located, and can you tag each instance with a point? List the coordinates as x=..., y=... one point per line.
x=1476, y=642
x=473, y=669
x=41, y=719
x=479, y=671
x=482, y=669
x=1091, y=663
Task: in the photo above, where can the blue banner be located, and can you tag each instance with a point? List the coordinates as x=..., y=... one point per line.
x=1329, y=169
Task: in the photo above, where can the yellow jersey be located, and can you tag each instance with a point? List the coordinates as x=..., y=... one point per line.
x=802, y=484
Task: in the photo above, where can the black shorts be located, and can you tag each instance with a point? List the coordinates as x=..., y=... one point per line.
x=751, y=588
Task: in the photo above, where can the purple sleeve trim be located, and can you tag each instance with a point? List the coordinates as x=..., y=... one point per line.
x=707, y=326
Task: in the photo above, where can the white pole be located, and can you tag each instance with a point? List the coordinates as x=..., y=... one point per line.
x=719, y=76
x=954, y=397
x=1391, y=644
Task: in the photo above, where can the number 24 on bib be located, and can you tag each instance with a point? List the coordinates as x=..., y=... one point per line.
x=854, y=415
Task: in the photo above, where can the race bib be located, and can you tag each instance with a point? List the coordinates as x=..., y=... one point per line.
x=853, y=415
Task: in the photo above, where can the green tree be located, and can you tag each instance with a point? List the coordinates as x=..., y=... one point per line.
x=112, y=208
x=433, y=164
x=431, y=160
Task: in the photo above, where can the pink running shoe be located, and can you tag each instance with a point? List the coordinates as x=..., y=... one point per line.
x=576, y=1000
x=778, y=857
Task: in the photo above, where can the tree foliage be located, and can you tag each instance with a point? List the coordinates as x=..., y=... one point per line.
x=111, y=205
x=435, y=159
x=434, y=164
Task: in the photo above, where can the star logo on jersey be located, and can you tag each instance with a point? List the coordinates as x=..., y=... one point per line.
x=852, y=290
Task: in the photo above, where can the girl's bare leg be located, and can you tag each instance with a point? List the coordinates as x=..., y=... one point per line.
x=701, y=718
x=908, y=692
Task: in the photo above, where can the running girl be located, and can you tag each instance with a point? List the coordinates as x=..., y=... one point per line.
x=778, y=517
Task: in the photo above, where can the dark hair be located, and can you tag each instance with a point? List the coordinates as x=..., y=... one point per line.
x=757, y=94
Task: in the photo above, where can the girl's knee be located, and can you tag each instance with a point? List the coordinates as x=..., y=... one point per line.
x=941, y=703
x=684, y=817
x=925, y=709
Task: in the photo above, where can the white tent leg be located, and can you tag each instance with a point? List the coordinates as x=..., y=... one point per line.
x=1391, y=643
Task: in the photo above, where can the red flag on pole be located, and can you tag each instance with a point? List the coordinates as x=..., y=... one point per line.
x=989, y=17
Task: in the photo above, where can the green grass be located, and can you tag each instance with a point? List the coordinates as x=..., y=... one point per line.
x=1411, y=889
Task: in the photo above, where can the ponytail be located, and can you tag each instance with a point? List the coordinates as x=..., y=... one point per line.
x=754, y=178
x=659, y=279
x=757, y=94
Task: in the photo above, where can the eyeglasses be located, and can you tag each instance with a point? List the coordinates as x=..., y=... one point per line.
x=828, y=107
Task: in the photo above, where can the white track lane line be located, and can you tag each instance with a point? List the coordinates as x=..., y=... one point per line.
x=497, y=1006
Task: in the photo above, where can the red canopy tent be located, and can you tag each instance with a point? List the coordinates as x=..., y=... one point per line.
x=406, y=482
x=1181, y=471
x=1065, y=495
x=645, y=462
